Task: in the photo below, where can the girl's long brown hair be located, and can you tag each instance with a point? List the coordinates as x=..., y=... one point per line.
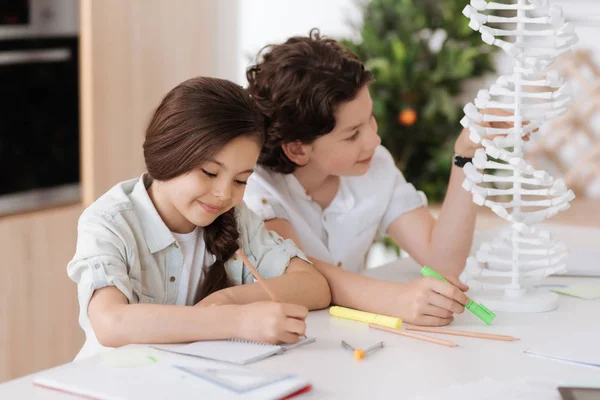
x=194, y=122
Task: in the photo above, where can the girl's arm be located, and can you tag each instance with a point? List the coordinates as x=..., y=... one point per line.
x=117, y=323
x=301, y=284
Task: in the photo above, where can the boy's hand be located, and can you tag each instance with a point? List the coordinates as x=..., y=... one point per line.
x=466, y=148
x=431, y=302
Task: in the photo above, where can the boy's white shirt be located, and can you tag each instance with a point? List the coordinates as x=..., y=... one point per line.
x=342, y=233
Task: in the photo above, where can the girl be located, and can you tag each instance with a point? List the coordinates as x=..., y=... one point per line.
x=325, y=182
x=151, y=248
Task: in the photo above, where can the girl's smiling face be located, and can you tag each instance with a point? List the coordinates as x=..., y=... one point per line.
x=198, y=197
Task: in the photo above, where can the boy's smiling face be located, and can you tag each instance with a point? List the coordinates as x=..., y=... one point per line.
x=348, y=149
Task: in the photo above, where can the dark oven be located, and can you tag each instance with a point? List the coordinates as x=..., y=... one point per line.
x=39, y=112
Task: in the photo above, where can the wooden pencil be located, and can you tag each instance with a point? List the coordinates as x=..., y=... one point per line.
x=257, y=276
x=414, y=335
x=446, y=331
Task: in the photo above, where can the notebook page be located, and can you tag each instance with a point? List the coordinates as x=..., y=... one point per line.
x=231, y=351
x=301, y=342
x=234, y=351
x=579, y=348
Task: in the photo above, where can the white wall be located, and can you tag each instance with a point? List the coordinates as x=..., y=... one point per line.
x=263, y=22
x=227, y=39
x=585, y=15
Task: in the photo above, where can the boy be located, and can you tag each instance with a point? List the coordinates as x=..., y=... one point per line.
x=324, y=181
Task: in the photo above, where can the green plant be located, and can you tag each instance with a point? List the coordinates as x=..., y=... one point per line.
x=420, y=52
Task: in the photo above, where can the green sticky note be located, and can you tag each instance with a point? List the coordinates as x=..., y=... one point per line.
x=125, y=357
x=581, y=290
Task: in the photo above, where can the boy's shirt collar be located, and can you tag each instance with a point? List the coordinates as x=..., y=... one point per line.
x=344, y=198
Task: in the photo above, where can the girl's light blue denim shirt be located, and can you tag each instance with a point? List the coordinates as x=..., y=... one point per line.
x=123, y=242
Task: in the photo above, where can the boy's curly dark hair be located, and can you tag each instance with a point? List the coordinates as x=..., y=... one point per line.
x=298, y=86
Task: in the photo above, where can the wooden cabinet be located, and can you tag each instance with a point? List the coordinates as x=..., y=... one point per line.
x=132, y=53
x=38, y=301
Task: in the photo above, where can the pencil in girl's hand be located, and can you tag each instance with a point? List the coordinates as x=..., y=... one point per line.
x=256, y=275
x=259, y=278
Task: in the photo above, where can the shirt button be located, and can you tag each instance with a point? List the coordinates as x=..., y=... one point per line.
x=172, y=279
x=264, y=201
x=339, y=264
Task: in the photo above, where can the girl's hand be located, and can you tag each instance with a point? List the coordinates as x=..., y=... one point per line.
x=431, y=302
x=271, y=322
x=466, y=148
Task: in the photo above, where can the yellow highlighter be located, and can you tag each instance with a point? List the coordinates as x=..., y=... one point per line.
x=366, y=317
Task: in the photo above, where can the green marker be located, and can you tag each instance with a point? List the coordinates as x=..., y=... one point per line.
x=479, y=310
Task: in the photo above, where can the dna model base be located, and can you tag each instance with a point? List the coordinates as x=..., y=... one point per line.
x=533, y=300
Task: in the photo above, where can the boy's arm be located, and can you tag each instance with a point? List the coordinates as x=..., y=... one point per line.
x=422, y=302
x=443, y=244
x=301, y=284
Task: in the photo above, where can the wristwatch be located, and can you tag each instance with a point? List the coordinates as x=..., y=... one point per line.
x=460, y=161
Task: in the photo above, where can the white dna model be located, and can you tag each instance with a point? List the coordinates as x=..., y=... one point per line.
x=504, y=271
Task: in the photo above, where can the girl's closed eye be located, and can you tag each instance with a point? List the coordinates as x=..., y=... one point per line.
x=210, y=174
x=241, y=182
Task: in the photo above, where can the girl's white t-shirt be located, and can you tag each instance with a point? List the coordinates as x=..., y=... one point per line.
x=195, y=259
x=341, y=234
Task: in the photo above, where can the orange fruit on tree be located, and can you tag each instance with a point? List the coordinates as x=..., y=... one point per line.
x=407, y=117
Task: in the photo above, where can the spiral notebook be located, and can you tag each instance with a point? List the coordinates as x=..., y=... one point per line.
x=233, y=351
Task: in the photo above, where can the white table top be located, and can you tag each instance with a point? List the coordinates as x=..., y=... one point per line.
x=408, y=367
